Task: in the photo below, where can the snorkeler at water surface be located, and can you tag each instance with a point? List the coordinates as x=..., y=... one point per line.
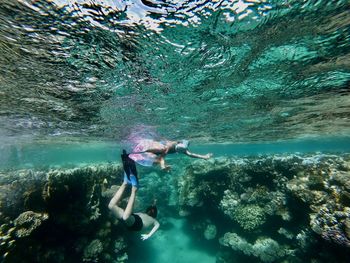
x=133, y=221
x=148, y=152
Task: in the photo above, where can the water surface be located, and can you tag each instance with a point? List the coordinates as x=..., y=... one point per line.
x=213, y=71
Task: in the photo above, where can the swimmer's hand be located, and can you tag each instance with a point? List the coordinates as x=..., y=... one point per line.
x=145, y=236
x=208, y=156
x=167, y=168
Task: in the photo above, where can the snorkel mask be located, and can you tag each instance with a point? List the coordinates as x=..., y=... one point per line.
x=182, y=146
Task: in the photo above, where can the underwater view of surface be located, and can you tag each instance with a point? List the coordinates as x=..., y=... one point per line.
x=260, y=88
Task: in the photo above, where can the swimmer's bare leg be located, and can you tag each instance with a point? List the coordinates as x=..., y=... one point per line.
x=130, y=205
x=162, y=164
x=113, y=204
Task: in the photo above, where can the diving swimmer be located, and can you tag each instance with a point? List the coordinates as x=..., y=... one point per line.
x=133, y=221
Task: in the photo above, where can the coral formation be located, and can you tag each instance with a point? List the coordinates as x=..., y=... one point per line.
x=249, y=217
x=210, y=232
x=119, y=244
x=324, y=186
x=54, y=210
x=93, y=251
x=303, y=200
x=62, y=214
x=266, y=249
x=27, y=222
x=332, y=225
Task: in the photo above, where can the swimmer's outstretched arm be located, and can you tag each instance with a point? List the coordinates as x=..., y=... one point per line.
x=154, y=229
x=194, y=155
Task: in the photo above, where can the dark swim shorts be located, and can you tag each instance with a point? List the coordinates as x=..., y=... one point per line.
x=137, y=225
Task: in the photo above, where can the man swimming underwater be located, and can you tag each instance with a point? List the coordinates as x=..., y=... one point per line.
x=133, y=221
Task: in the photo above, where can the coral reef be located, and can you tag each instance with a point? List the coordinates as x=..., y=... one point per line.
x=27, y=222
x=44, y=214
x=266, y=249
x=93, y=251
x=62, y=214
x=210, y=232
x=283, y=208
x=249, y=216
x=287, y=204
x=324, y=186
x=332, y=225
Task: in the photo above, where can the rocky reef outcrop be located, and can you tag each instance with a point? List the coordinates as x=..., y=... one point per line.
x=60, y=215
x=264, y=248
x=282, y=208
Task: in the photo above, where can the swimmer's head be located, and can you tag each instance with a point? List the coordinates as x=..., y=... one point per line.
x=152, y=211
x=182, y=146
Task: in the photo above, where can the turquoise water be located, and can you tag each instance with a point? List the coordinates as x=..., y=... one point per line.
x=75, y=154
x=263, y=85
x=174, y=244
